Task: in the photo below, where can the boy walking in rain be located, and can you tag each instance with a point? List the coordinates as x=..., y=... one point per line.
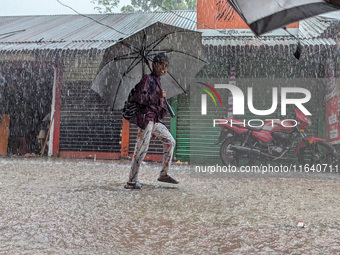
x=149, y=94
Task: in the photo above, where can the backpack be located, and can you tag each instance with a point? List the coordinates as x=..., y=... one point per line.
x=131, y=108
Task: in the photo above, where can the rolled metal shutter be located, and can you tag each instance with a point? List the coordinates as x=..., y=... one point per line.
x=87, y=123
x=196, y=134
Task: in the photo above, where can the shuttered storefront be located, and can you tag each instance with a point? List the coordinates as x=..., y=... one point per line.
x=86, y=122
x=196, y=135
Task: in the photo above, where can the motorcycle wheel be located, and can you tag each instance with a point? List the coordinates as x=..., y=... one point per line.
x=234, y=158
x=324, y=152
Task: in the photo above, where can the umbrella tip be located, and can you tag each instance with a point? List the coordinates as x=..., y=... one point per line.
x=298, y=51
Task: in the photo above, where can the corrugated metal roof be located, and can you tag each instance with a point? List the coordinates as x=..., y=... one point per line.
x=313, y=31
x=78, y=32
x=82, y=33
x=270, y=41
x=318, y=27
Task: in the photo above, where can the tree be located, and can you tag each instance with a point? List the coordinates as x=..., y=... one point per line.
x=106, y=6
x=163, y=5
x=127, y=8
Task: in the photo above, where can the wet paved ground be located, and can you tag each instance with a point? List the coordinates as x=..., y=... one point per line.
x=60, y=206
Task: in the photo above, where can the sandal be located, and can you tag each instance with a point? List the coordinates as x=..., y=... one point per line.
x=133, y=185
x=168, y=179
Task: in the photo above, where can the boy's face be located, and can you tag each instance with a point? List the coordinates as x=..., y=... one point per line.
x=160, y=68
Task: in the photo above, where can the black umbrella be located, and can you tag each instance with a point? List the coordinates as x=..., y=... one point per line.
x=125, y=62
x=263, y=16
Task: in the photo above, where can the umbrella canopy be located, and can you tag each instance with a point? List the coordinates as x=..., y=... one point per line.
x=263, y=16
x=125, y=62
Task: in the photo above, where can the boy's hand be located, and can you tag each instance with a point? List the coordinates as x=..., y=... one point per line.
x=163, y=94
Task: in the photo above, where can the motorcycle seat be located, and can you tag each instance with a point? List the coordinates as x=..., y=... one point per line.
x=253, y=128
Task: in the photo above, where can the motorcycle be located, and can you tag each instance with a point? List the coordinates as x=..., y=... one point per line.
x=244, y=145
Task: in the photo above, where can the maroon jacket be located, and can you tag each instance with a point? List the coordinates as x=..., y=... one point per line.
x=155, y=109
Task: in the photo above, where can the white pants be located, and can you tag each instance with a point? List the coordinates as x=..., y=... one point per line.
x=159, y=131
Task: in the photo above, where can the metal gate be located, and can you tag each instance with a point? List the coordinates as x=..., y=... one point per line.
x=87, y=123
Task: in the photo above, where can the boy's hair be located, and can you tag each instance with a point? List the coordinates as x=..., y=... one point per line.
x=160, y=57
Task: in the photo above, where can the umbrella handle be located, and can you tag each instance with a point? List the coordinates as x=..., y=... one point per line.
x=172, y=114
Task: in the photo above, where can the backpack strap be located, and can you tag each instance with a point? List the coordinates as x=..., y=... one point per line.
x=152, y=83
